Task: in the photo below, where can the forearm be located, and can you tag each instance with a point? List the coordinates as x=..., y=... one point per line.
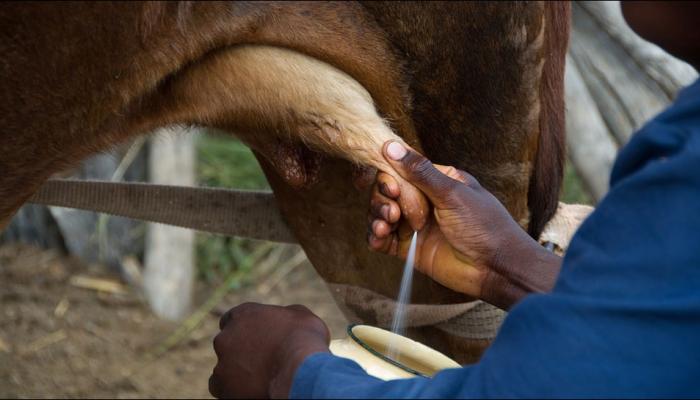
x=520, y=268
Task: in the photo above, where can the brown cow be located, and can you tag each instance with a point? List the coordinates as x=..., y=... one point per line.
x=475, y=85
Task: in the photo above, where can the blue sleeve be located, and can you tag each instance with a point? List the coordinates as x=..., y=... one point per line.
x=624, y=316
x=324, y=375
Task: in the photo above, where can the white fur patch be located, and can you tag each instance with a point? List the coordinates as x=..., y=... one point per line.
x=562, y=227
x=270, y=90
x=263, y=91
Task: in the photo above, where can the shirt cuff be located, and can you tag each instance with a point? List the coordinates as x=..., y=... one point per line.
x=304, y=384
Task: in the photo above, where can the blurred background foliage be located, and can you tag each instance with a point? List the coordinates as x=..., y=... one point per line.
x=226, y=162
x=574, y=191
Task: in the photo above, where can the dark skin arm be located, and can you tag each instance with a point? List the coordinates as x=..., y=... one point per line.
x=470, y=243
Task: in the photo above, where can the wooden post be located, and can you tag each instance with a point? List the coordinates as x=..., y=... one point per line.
x=169, y=255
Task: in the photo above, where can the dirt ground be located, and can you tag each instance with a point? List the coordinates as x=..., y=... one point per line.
x=61, y=337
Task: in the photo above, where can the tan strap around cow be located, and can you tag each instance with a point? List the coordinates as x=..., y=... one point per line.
x=244, y=213
x=255, y=215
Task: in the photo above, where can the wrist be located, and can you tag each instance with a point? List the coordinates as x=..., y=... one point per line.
x=536, y=269
x=289, y=361
x=521, y=267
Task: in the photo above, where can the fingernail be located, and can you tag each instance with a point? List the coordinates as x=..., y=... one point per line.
x=385, y=211
x=395, y=151
x=374, y=226
x=384, y=189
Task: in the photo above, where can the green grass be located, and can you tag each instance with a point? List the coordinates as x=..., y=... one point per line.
x=226, y=162
x=573, y=190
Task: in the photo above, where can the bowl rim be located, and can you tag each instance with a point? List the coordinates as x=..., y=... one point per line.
x=374, y=352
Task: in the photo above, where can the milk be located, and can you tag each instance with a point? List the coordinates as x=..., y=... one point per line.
x=397, y=326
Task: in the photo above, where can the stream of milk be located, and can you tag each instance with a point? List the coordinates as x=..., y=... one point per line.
x=397, y=325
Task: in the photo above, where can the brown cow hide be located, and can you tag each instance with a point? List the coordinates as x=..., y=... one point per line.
x=475, y=85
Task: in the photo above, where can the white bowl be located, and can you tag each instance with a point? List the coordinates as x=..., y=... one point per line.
x=368, y=345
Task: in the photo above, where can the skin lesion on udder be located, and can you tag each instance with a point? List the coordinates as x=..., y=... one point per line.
x=295, y=163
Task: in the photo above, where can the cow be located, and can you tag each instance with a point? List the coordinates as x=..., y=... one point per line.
x=314, y=88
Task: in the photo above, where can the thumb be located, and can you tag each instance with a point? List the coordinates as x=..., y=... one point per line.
x=420, y=172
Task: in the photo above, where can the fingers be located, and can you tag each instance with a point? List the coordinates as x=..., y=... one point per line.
x=407, y=200
x=225, y=319
x=395, y=243
x=420, y=172
x=299, y=307
x=214, y=386
x=241, y=309
x=387, y=185
x=385, y=234
x=380, y=229
x=413, y=204
x=384, y=213
x=389, y=197
x=382, y=203
x=381, y=244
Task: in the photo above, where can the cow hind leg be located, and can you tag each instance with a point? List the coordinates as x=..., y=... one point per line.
x=276, y=99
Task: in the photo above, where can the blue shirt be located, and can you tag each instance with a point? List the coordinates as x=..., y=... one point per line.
x=624, y=316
